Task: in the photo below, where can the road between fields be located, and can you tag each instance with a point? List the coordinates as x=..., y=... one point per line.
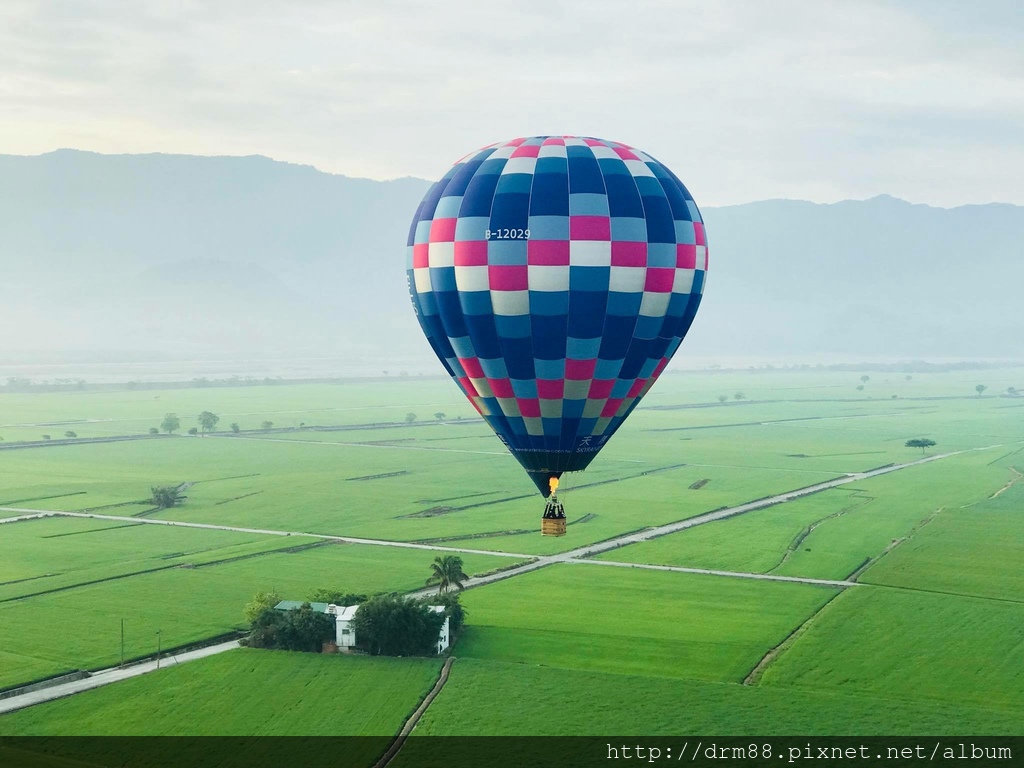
x=573, y=556
x=108, y=676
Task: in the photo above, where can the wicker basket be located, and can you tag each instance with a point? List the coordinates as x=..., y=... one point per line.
x=552, y=526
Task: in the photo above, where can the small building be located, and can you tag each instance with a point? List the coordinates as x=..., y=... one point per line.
x=345, y=635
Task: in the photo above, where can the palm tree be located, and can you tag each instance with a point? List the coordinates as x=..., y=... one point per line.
x=447, y=572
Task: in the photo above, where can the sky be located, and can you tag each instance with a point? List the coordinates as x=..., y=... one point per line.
x=743, y=99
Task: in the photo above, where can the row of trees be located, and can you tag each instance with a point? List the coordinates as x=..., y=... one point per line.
x=207, y=423
x=738, y=396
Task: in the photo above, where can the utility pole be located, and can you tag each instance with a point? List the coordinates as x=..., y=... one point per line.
x=158, y=649
x=122, y=642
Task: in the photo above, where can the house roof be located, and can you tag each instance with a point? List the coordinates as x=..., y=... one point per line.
x=342, y=612
x=294, y=605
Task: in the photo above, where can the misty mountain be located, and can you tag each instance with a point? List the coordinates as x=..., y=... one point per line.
x=871, y=278
x=239, y=256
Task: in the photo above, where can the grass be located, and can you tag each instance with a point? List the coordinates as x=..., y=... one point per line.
x=973, y=550
x=188, y=604
x=912, y=645
x=240, y=693
x=634, y=622
x=831, y=534
x=546, y=701
x=54, y=553
x=589, y=649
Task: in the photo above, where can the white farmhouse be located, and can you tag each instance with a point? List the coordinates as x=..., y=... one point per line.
x=345, y=635
x=343, y=615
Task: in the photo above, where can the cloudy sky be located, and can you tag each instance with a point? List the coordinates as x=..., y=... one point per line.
x=745, y=100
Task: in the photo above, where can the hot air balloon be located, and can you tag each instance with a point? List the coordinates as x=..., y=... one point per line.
x=555, y=277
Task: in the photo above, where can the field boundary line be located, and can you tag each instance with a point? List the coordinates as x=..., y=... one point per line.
x=407, y=728
x=808, y=530
x=713, y=572
x=773, y=654
x=942, y=592
x=264, y=531
x=863, y=567
x=1009, y=485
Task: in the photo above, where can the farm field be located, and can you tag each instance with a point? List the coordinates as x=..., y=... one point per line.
x=928, y=641
x=635, y=622
x=225, y=695
x=189, y=604
x=48, y=554
x=893, y=643
x=944, y=556
x=834, y=533
x=566, y=702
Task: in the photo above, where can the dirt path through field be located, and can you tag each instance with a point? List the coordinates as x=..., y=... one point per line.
x=1007, y=487
x=414, y=719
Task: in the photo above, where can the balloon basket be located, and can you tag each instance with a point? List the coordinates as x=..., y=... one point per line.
x=552, y=527
x=553, y=521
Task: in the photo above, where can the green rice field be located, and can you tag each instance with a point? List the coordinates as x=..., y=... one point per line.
x=927, y=639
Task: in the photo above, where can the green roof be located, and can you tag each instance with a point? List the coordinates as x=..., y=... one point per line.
x=292, y=605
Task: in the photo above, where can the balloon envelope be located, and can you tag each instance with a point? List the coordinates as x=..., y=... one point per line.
x=555, y=277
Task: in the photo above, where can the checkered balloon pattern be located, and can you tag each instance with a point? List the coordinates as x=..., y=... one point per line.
x=555, y=277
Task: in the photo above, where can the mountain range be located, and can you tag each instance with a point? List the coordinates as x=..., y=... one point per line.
x=178, y=257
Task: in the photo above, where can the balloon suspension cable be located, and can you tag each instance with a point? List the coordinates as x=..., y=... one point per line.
x=554, y=510
x=553, y=521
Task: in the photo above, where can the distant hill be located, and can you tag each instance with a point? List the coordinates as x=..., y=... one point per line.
x=177, y=256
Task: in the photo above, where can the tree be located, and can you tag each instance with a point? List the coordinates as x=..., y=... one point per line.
x=193, y=430
x=395, y=625
x=235, y=428
x=410, y=418
x=261, y=601
x=171, y=423
x=908, y=377
x=1012, y=391
x=739, y=396
x=336, y=597
x=439, y=415
x=980, y=388
x=208, y=421
x=154, y=431
x=860, y=387
x=166, y=496
x=920, y=442
x=299, y=630
x=865, y=379
x=722, y=398
x=304, y=629
x=447, y=572
x=70, y=434
x=46, y=437
x=265, y=425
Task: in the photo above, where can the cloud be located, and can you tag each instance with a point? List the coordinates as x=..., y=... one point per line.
x=745, y=100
